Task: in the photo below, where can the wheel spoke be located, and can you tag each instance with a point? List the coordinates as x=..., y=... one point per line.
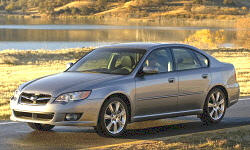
x=210, y=105
x=115, y=127
x=221, y=102
x=122, y=113
x=109, y=125
x=111, y=108
x=212, y=112
x=117, y=106
x=107, y=117
x=213, y=98
x=120, y=123
x=216, y=114
x=217, y=96
x=220, y=110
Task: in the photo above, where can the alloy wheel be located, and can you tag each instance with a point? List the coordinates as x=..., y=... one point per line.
x=115, y=117
x=216, y=105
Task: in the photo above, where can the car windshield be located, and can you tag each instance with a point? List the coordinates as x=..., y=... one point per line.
x=110, y=61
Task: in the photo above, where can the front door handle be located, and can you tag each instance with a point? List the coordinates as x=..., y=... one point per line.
x=171, y=80
x=204, y=76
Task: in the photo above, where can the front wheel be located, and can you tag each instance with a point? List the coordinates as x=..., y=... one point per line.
x=215, y=107
x=41, y=127
x=113, y=118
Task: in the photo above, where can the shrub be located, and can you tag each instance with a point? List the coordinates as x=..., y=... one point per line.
x=10, y=7
x=188, y=7
x=228, y=2
x=158, y=2
x=8, y=60
x=1, y=6
x=243, y=35
x=101, y=3
x=143, y=2
x=206, y=38
x=75, y=11
x=197, y=1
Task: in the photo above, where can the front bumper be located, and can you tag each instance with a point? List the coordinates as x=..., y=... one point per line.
x=57, y=112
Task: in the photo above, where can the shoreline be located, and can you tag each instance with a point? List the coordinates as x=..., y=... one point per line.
x=128, y=20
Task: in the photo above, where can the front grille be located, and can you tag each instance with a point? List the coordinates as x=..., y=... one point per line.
x=30, y=98
x=33, y=116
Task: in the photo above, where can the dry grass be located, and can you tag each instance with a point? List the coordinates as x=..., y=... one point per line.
x=241, y=61
x=138, y=10
x=18, y=67
x=75, y=4
x=229, y=138
x=175, y=9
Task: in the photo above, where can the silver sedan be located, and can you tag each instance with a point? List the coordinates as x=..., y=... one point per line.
x=119, y=84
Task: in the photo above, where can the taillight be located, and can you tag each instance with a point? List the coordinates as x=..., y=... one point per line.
x=235, y=75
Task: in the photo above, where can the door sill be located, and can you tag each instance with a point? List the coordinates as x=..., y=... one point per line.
x=167, y=115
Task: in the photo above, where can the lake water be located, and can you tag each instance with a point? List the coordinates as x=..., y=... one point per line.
x=22, y=34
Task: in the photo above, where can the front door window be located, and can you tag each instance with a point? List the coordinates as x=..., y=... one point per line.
x=160, y=60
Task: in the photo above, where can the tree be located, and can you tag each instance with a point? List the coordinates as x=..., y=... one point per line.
x=75, y=11
x=85, y=10
x=197, y=1
x=1, y=6
x=159, y=2
x=102, y=3
x=228, y=2
x=188, y=7
x=143, y=2
x=10, y=7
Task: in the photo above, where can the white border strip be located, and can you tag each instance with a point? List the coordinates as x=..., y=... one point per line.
x=4, y=123
x=244, y=99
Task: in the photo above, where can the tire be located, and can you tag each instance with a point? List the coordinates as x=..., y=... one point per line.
x=41, y=127
x=214, y=107
x=114, y=125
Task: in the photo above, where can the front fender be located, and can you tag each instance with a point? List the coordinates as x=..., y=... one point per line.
x=127, y=89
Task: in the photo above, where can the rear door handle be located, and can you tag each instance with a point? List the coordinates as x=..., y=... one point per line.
x=204, y=76
x=171, y=80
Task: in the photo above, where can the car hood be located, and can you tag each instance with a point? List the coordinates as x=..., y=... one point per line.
x=66, y=82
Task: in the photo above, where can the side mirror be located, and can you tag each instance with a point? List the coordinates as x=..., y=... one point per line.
x=69, y=65
x=147, y=70
x=150, y=70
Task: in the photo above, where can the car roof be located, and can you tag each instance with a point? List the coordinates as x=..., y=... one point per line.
x=146, y=46
x=152, y=46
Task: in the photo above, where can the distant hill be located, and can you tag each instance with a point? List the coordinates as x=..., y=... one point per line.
x=148, y=9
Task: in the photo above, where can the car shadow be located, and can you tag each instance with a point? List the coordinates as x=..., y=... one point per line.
x=77, y=137
x=181, y=129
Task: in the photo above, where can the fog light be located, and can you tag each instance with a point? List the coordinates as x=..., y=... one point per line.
x=72, y=117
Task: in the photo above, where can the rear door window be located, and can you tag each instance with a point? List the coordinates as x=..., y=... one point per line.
x=184, y=59
x=203, y=60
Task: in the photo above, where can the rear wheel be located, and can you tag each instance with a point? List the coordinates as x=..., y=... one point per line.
x=41, y=127
x=113, y=118
x=215, y=107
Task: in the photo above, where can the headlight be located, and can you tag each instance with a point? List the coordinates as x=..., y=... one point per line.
x=73, y=96
x=16, y=95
